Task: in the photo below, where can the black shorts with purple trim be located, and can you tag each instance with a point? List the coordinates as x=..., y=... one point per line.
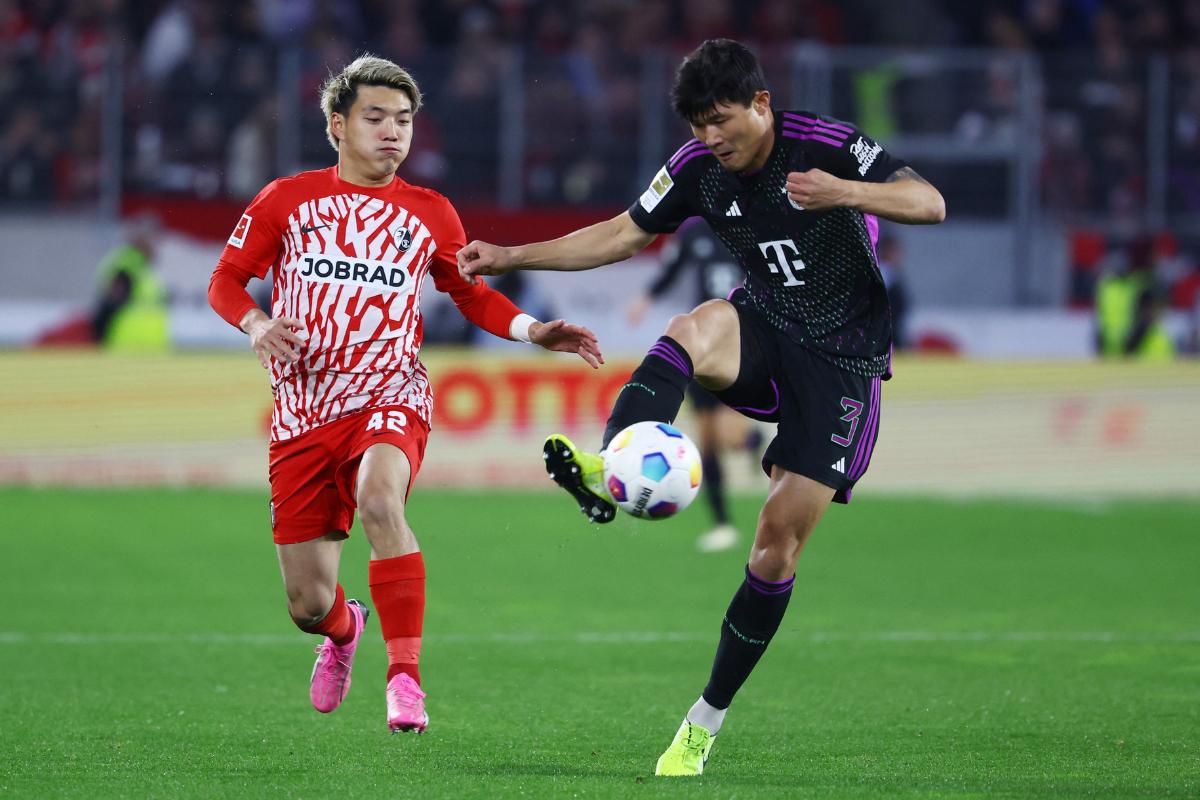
x=828, y=417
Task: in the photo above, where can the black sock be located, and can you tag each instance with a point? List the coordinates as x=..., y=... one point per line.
x=714, y=487
x=655, y=390
x=751, y=621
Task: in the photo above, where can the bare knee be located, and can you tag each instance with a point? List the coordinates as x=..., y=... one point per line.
x=384, y=524
x=308, y=605
x=685, y=329
x=773, y=557
x=380, y=510
x=710, y=335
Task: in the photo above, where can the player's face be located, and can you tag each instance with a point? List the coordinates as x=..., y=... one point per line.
x=739, y=136
x=376, y=132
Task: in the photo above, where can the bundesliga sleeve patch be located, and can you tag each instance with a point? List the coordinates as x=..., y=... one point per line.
x=239, y=233
x=657, y=190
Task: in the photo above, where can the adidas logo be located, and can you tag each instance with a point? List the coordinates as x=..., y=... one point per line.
x=734, y=211
x=839, y=465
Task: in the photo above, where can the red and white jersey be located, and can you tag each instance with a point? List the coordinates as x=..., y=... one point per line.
x=350, y=262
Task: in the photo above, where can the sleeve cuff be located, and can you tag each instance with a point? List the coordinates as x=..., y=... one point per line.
x=518, y=330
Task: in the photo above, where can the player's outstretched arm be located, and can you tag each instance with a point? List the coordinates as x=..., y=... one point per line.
x=605, y=242
x=277, y=338
x=563, y=337
x=905, y=197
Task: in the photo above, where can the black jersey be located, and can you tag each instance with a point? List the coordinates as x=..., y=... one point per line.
x=695, y=249
x=813, y=275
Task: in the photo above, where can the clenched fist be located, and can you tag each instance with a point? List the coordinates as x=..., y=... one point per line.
x=481, y=258
x=817, y=190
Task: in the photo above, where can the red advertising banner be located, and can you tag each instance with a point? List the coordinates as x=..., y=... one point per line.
x=1061, y=429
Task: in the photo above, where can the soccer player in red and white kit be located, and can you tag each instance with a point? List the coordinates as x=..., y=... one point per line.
x=351, y=246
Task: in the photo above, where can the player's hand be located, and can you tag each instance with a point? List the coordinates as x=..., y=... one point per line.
x=564, y=337
x=278, y=338
x=817, y=190
x=480, y=258
x=637, y=309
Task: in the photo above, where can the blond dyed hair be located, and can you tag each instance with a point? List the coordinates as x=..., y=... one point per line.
x=339, y=92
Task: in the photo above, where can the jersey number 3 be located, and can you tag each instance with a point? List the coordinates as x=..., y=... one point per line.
x=395, y=421
x=853, y=409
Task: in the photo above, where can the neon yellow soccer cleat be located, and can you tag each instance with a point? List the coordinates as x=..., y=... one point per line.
x=581, y=474
x=688, y=752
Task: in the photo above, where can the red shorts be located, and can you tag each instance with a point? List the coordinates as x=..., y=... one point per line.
x=313, y=476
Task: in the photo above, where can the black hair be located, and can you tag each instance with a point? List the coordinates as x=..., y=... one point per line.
x=718, y=71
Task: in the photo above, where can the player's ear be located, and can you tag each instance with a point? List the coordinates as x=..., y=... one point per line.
x=337, y=125
x=761, y=101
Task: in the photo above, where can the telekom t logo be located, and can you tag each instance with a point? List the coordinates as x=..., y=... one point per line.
x=778, y=255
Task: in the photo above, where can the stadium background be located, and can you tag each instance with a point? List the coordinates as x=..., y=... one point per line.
x=1059, y=133
x=1062, y=133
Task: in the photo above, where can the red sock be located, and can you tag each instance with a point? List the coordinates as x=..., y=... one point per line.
x=338, y=624
x=398, y=590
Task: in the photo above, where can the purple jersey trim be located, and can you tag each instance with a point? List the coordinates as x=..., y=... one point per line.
x=873, y=231
x=766, y=411
x=813, y=137
x=862, y=453
x=788, y=115
x=866, y=441
x=864, y=437
x=869, y=438
x=679, y=152
x=693, y=154
x=795, y=127
x=872, y=222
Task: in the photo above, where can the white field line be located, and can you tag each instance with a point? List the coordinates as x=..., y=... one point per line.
x=18, y=638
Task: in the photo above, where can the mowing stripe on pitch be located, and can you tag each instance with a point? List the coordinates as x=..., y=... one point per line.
x=616, y=638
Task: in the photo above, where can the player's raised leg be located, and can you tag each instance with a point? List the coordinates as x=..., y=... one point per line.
x=794, y=507
x=397, y=577
x=704, y=344
x=318, y=604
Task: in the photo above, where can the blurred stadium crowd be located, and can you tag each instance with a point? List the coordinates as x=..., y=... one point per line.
x=205, y=86
x=200, y=77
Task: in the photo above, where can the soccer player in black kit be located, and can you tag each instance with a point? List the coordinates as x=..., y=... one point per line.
x=714, y=273
x=805, y=342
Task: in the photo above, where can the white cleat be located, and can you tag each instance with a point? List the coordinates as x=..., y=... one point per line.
x=718, y=539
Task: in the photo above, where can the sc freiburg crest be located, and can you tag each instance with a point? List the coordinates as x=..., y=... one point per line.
x=403, y=239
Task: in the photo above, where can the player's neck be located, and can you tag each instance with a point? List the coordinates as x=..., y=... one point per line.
x=350, y=173
x=765, y=145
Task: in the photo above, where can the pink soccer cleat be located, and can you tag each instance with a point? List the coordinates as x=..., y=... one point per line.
x=331, y=673
x=405, y=705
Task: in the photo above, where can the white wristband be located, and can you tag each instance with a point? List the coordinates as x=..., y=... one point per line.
x=518, y=330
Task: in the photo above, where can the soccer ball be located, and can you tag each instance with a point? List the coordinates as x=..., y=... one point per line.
x=652, y=470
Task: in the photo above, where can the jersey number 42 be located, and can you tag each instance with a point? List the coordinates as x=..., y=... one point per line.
x=392, y=420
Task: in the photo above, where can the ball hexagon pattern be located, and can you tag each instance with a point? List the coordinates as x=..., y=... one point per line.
x=652, y=470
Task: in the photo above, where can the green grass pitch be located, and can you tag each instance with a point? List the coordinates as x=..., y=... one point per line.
x=933, y=649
